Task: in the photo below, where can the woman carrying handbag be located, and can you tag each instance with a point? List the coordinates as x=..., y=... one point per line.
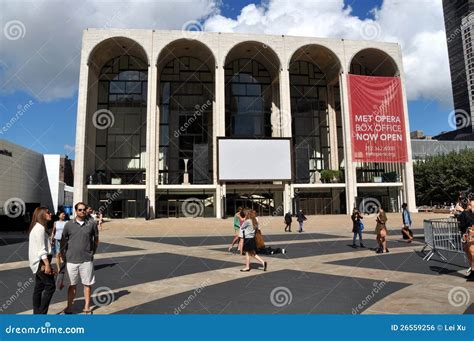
x=39, y=255
x=381, y=230
x=248, y=229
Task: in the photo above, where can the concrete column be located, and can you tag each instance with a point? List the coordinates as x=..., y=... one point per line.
x=285, y=103
x=80, y=191
x=287, y=198
x=276, y=112
x=218, y=114
x=349, y=166
x=152, y=137
x=332, y=123
x=218, y=128
x=408, y=178
x=220, y=193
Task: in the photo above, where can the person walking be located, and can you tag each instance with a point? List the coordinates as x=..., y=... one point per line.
x=466, y=227
x=407, y=233
x=381, y=231
x=357, y=227
x=80, y=240
x=288, y=221
x=248, y=230
x=56, y=235
x=39, y=256
x=300, y=217
x=238, y=219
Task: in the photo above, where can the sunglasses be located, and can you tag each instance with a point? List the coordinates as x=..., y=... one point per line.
x=81, y=210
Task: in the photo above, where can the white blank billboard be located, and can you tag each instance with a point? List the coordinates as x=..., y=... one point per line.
x=254, y=159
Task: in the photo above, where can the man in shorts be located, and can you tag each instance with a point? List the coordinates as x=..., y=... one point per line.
x=80, y=240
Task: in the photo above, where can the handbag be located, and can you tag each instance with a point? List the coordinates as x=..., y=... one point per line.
x=259, y=239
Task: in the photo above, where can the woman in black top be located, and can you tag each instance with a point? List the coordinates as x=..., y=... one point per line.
x=466, y=227
x=356, y=227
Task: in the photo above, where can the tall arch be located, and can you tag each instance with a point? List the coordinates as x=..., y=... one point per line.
x=186, y=97
x=117, y=124
x=377, y=63
x=316, y=123
x=251, y=90
x=373, y=62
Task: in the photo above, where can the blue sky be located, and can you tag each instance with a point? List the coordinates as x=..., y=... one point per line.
x=49, y=126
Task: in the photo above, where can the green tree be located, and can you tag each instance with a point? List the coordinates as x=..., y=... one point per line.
x=441, y=178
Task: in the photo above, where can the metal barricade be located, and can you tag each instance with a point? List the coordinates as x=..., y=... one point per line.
x=442, y=235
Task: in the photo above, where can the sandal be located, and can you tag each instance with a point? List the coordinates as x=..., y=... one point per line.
x=87, y=312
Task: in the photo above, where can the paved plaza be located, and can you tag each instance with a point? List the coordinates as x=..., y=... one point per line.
x=182, y=266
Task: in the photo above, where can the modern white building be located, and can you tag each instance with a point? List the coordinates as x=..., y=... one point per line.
x=29, y=179
x=154, y=104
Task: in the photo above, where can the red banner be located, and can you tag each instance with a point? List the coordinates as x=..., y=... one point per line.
x=377, y=119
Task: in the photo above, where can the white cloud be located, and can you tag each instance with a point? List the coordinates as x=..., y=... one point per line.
x=417, y=26
x=44, y=60
x=69, y=148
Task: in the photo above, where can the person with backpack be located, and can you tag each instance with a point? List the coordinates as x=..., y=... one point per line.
x=300, y=217
x=288, y=221
x=407, y=233
x=357, y=227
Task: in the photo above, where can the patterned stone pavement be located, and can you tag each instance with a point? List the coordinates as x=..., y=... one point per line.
x=182, y=266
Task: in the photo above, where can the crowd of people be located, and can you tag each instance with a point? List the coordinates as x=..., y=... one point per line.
x=73, y=243
x=248, y=237
x=381, y=230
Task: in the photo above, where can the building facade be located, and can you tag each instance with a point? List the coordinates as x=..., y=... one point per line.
x=30, y=179
x=458, y=21
x=153, y=104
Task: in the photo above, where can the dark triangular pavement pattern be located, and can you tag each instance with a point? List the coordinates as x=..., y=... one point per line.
x=409, y=262
x=16, y=250
x=310, y=249
x=304, y=293
x=217, y=240
x=111, y=273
